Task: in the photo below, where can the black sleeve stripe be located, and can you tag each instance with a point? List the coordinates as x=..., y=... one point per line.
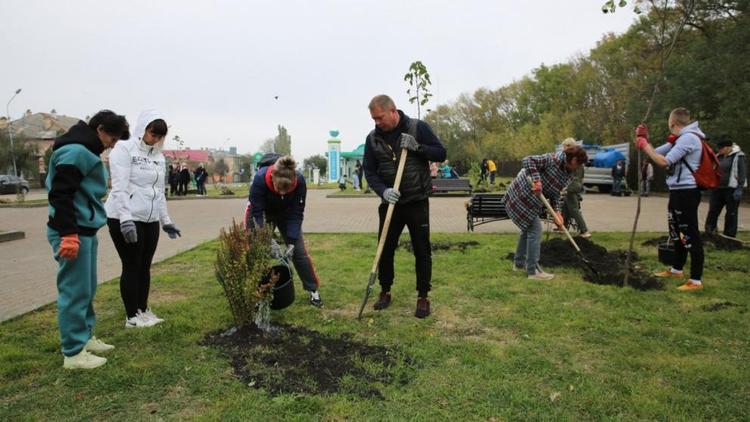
x=64, y=186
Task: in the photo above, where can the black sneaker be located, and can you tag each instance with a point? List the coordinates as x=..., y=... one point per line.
x=423, y=308
x=315, y=299
x=384, y=301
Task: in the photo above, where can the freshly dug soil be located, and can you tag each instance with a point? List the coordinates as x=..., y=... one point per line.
x=297, y=360
x=606, y=267
x=710, y=240
x=440, y=246
x=721, y=305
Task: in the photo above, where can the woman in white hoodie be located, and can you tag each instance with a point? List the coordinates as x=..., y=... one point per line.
x=135, y=206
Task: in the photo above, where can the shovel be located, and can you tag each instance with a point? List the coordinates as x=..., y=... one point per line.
x=383, y=234
x=552, y=213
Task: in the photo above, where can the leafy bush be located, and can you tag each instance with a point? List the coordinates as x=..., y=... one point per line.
x=243, y=260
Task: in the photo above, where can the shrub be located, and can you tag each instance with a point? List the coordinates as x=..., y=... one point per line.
x=242, y=261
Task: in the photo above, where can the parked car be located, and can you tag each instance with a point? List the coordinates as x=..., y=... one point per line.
x=10, y=183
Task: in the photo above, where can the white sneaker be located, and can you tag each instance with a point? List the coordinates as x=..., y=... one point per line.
x=150, y=315
x=97, y=346
x=140, y=320
x=83, y=360
x=541, y=275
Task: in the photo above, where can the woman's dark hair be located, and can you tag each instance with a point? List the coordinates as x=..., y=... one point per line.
x=158, y=127
x=578, y=153
x=111, y=123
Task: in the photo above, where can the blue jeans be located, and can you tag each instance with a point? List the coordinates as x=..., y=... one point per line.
x=529, y=245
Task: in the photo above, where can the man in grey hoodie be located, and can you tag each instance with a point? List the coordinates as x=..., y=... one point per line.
x=681, y=153
x=729, y=193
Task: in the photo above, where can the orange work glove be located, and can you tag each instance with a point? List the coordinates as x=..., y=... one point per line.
x=69, y=246
x=536, y=187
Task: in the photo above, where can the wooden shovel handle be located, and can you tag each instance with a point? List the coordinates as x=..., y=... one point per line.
x=389, y=212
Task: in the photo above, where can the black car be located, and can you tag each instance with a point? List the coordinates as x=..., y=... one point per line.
x=9, y=184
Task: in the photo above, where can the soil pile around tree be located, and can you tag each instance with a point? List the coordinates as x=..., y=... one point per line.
x=608, y=267
x=440, y=246
x=710, y=240
x=297, y=360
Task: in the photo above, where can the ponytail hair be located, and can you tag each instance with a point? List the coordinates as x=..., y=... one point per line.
x=283, y=173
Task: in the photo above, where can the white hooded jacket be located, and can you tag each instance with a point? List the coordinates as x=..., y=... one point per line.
x=138, y=172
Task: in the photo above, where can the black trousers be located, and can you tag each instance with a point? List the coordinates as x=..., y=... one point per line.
x=416, y=217
x=720, y=198
x=683, y=228
x=135, y=279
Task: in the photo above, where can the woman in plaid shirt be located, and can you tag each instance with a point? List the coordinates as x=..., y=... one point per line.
x=550, y=174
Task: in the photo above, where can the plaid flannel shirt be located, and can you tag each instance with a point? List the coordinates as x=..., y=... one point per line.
x=521, y=203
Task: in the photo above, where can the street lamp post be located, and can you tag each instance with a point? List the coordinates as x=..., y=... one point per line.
x=10, y=132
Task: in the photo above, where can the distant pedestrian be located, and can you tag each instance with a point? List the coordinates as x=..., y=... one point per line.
x=76, y=181
x=200, y=180
x=173, y=180
x=135, y=207
x=492, y=169
x=733, y=164
x=484, y=172
x=573, y=198
x=618, y=175
x=184, y=180
x=647, y=175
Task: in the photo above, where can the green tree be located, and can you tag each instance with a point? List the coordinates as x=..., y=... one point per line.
x=419, y=82
x=221, y=168
x=317, y=161
x=283, y=142
x=25, y=155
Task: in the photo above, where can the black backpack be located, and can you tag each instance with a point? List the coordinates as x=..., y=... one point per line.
x=268, y=159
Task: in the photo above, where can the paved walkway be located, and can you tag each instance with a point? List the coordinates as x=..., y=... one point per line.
x=27, y=272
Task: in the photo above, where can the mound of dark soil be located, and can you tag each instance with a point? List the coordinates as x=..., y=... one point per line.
x=297, y=360
x=710, y=240
x=721, y=305
x=606, y=267
x=440, y=246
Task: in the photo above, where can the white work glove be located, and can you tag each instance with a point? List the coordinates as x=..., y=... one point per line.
x=408, y=142
x=391, y=195
x=275, y=249
x=289, y=251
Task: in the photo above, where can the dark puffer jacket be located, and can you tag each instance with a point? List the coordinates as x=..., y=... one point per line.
x=382, y=153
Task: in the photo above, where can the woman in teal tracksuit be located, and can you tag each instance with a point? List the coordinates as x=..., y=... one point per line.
x=76, y=182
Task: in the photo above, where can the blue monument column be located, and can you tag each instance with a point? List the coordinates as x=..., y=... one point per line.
x=334, y=156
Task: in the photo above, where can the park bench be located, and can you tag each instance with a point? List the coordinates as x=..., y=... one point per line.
x=485, y=208
x=451, y=185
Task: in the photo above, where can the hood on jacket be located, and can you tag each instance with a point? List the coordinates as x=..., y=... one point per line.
x=735, y=149
x=693, y=128
x=144, y=119
x=80, y=133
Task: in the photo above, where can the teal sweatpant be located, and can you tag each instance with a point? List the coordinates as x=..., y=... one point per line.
x=76, y=287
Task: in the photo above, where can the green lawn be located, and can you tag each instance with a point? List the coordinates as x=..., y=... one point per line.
x=497, y=347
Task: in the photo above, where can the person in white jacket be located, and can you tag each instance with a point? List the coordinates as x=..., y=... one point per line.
x=135, y=207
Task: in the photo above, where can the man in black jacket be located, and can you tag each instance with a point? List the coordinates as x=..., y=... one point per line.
x=393, y=131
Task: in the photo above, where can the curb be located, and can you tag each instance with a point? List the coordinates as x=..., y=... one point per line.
x=12, y=235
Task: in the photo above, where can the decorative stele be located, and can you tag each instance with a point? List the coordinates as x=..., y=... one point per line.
x=334, y=155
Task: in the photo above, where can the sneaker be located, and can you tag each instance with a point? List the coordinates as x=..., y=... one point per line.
x=585, y=235
x=315, y=299
x=97, y=346
x=423, y=308
x=151, y=316
x=140, y=320
x=668, y=273
x=384, y=301
x=690, y=285
x=83, y=360
x=541, y=275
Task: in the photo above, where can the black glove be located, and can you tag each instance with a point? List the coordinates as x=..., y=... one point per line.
x=171, y=230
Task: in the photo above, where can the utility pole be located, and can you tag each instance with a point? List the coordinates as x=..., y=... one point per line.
x=10, y=132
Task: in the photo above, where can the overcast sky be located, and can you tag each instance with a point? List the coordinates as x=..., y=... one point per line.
x=214, y=67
